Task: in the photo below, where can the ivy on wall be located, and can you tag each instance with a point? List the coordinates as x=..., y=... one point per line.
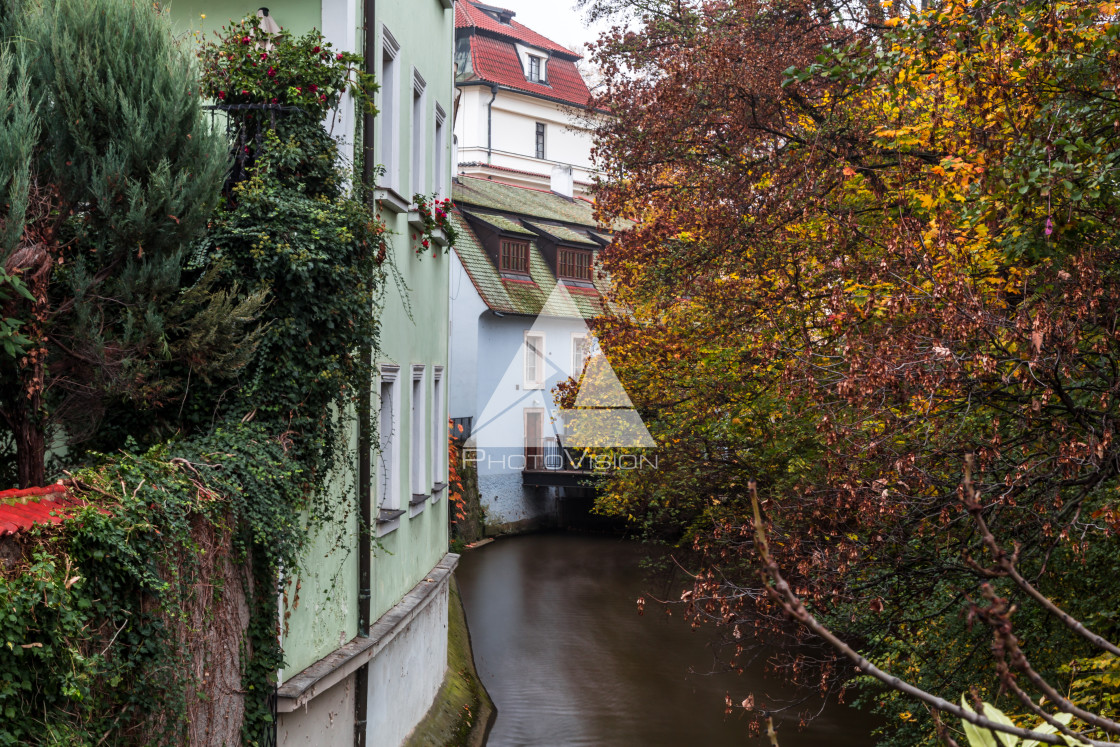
x=118, y=626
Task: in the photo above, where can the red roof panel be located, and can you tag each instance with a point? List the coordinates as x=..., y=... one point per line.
x=467, y=15
x=22, y=509
x=496, y=61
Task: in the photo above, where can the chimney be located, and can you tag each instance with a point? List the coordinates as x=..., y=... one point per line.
x=563, y=183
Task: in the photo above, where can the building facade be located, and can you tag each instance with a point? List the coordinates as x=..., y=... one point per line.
x=522, y=103
x=524, y=283
x=364, y=624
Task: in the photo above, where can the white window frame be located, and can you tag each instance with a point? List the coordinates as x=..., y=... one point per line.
x=388, y=436
x=538, y=412
x=388, y=118
x=418, y=146
x=419, y=487
x=583, y=340
x=534, y=377
x=438, y=148
x=540, y=140
x=439, y=436
x=542, y=68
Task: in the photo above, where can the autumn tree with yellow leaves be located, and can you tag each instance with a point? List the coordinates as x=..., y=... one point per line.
x=871, y=244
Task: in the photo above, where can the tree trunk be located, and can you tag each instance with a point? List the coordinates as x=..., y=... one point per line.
x=33, y=261
x=31, y=447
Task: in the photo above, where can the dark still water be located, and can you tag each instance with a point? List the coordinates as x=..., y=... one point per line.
x=568, y=661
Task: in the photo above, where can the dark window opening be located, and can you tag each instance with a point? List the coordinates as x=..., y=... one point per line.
x=540, y=140
x=574, y=264
x=514, y=256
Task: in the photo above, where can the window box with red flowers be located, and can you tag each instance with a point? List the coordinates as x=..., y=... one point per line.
x=430, y=224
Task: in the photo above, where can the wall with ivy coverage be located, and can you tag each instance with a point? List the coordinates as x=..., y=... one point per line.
x=320, y=609
x=320, y=600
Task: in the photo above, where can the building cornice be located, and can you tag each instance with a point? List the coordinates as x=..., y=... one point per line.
x=344, y=661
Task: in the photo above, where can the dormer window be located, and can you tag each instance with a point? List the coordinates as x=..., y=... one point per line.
x=501, y=15
x=514, y=256
x=536, y=66
x=574, y=264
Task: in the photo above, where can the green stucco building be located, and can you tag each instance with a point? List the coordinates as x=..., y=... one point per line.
x=364, y=624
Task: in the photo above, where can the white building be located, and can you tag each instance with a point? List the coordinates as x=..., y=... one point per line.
x=522, y=104
x=524, y=282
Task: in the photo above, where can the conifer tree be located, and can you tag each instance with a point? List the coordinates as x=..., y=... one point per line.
x=123, y=171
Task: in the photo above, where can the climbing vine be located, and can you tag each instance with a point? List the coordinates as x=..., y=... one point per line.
x=170, y=573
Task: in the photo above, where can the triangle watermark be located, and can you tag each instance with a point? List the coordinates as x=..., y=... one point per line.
x=602, y=416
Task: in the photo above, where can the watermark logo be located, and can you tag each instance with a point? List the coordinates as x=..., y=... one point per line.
x=581, y=461
x=522, y=427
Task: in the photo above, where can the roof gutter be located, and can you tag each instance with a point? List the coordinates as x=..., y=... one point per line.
x=490, y=123
x=489, y=112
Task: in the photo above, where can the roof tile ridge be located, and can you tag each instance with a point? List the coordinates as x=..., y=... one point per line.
x=507, y=184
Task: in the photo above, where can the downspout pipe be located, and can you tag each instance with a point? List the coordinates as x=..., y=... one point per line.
x=365, y=429
x=490, y=123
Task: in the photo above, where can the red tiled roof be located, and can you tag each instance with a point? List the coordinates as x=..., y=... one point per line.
x=496, y=61
x=22, y=509
x=467, y=15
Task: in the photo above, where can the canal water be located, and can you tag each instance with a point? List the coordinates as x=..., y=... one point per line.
x=567, y=659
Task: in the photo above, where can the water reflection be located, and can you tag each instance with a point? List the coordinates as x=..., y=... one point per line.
x=568, y=661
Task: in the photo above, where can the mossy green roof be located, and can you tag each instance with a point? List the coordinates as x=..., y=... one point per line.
x=521, y=206
x=519, y=201
x=564, y=235
x=501, y=223
x=540, y=293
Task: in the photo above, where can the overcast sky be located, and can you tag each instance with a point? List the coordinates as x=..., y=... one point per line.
x=559, y=20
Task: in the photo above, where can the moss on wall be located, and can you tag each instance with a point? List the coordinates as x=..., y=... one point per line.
x=463, y=712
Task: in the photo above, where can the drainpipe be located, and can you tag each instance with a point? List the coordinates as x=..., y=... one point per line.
x=365, y=432
x=490, y=123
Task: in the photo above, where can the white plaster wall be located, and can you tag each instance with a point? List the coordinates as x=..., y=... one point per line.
x=405, y=677
x=466, y=307
x=567, y=140
x=326, y=721
x=499, y=429
x=513, y=141
x=500, y=379
x=470, y=120
x=340, y=27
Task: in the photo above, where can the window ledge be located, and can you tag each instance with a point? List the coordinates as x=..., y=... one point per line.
x=418, y=499
x=387, y=515
x=388, y=520
x=437, y=491
x=390, y=199
x=446, y=4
